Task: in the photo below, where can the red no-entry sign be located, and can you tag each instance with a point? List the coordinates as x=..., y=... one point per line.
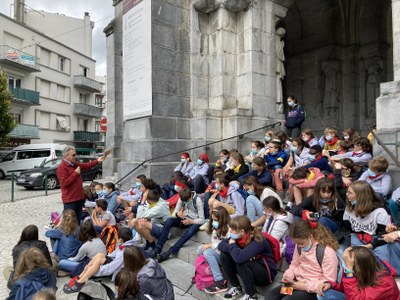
x=103, y=124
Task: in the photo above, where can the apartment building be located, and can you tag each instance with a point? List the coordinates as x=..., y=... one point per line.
x=53, y=84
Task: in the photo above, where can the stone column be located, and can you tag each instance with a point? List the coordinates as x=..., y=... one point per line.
x=396, y=38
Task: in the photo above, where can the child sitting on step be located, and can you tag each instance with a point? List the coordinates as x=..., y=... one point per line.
x=218, y=229
x=189, y=214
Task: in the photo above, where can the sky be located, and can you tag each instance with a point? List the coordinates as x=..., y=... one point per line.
x=101, y=12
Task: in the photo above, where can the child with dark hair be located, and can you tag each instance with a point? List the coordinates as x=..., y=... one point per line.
x=101, y=264
x=91, y=245
x=276, y=160
x=361, y=154
x=168, y=189
x=185, y=165
x=237, y=166
x=223, y=159
x=127, y=286
x=154, y=212
x=302, y=183
x=257, y=150
x=134, y=193
x=365, y=277
x=345, y=171
x=101, y=216
x=259, y=170
x=324, y=206
x=111, y=196
x=189, y=213
x=317, y=160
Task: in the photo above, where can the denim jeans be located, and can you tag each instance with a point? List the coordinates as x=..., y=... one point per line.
x=76, y=206
x=67, y=265
x=382, y=251
x=214, y=260
x=176, y=222
x=332, y=295
x=207, y=197
x=394, y=254
x=253, y=208
x=394, y=211
x=329, y=223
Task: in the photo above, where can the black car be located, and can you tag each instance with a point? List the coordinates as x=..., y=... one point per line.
x=35, y=177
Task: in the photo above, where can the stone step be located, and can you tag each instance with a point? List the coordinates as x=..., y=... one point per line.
x=188, y=253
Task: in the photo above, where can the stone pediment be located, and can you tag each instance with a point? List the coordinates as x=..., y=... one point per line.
x=209, y=6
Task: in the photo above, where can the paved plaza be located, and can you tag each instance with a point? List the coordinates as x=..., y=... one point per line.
x=30, y=207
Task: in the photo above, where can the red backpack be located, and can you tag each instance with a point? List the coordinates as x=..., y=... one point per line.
x=275, y=246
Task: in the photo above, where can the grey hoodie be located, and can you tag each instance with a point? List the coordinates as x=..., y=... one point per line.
x=154, y=282
x=158, y=213
x=197, y=215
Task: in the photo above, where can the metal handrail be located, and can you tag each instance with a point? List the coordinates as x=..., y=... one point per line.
x=392, y=156
x=201, y=146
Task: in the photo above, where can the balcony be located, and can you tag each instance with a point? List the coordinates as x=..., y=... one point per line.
x=86, y=136
x=87, y=110
x=87, y=84
x=15, y=58
x=23, y=131
x=25, y=97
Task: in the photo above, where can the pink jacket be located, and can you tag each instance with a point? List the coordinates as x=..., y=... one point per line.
x=308, y=183
x=305, y=267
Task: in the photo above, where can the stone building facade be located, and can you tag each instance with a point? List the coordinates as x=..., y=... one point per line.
x=224, y=67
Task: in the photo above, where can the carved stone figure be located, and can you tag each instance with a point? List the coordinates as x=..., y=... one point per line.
x=207, y=6
x=331, y=72
x=237, y=5
x=280, y=67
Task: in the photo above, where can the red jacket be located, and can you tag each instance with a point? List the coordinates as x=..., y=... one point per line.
x=70, y=181
x=387, y=289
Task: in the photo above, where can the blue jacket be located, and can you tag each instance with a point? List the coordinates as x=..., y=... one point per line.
x=24, y=288
x=276, y=161
x=265, y=177
x=112, y=203
x=295, y=116
x=320, y=163
x=65, y=246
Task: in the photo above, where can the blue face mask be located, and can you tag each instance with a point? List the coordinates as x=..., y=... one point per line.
x=100, y=194
x=233, y=236
x=183, y=160
x=353, y=202
x=267, y=138
x=250, y=192
x=138, y=184
x=274, y=152
x=324, y=201
x=311, y=157
x=176, y=188
x=105, y=193
x=290, y=103
x=253, y=151
x=217, y=187
x=371, y=173
x=215, y=224
x=307, y=248
x=328, y=137
x=199, y=162
x=293, y=149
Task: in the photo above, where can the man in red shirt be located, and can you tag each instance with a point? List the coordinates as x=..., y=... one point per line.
x=69, y=176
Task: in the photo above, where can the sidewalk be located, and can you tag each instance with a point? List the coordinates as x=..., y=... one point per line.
x=35, y=210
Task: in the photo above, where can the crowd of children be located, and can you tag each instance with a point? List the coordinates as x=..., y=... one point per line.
x=325, y=205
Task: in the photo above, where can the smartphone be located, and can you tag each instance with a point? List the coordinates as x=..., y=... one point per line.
x=315, y=215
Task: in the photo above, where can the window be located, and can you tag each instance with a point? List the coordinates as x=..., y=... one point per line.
x=61, y=93
x=9, y=157
x=45, y=57
x=44, y=88
x=83, y=71
x=17, y=118
x=44, y=121
x=99, y=100
x=24, y=155
x=97, y=126
x=59, y=153
x=83, y=98
x=40, y=153
x=61, y=64
x=14, y=82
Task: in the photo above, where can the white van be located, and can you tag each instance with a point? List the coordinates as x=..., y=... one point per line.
x=26, y=157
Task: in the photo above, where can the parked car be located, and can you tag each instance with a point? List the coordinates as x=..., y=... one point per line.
x=25, y=157
x=35, y=177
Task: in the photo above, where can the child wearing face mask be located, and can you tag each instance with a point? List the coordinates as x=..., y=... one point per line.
x=305, y=275
x=253, y=204
x=360, y=155
x=317, y=160
x=275, y=221
x=269, y=136
x=185, y=164
x=324, y=206
x=248, y=254
x=111, y=196
x=198, y=176
x=218, y=229
x=237, y=167
x=308, y=136
x=223, y=159
x=276, y=160
x=295, y=117
x=331, y=141
x=257, y=150
x=366, y=218
x=378, y=177
x=134, y=193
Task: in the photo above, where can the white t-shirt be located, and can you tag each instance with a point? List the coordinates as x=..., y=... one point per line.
x=369, y=223
x=107, y=216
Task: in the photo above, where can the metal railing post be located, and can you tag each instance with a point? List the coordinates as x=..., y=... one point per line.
x=12, y=187
x=45, y=184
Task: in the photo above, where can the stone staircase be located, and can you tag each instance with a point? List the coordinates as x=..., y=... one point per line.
x=180, y=269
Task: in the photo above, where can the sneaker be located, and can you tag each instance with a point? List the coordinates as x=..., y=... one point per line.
x=248, y=297
x=233, y=291
x=204, y=227
x=49, y=226
x=218, y=287
x=163, y=256
x=152, y=253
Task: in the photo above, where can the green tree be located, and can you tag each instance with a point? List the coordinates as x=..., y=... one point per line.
x=7, y=123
